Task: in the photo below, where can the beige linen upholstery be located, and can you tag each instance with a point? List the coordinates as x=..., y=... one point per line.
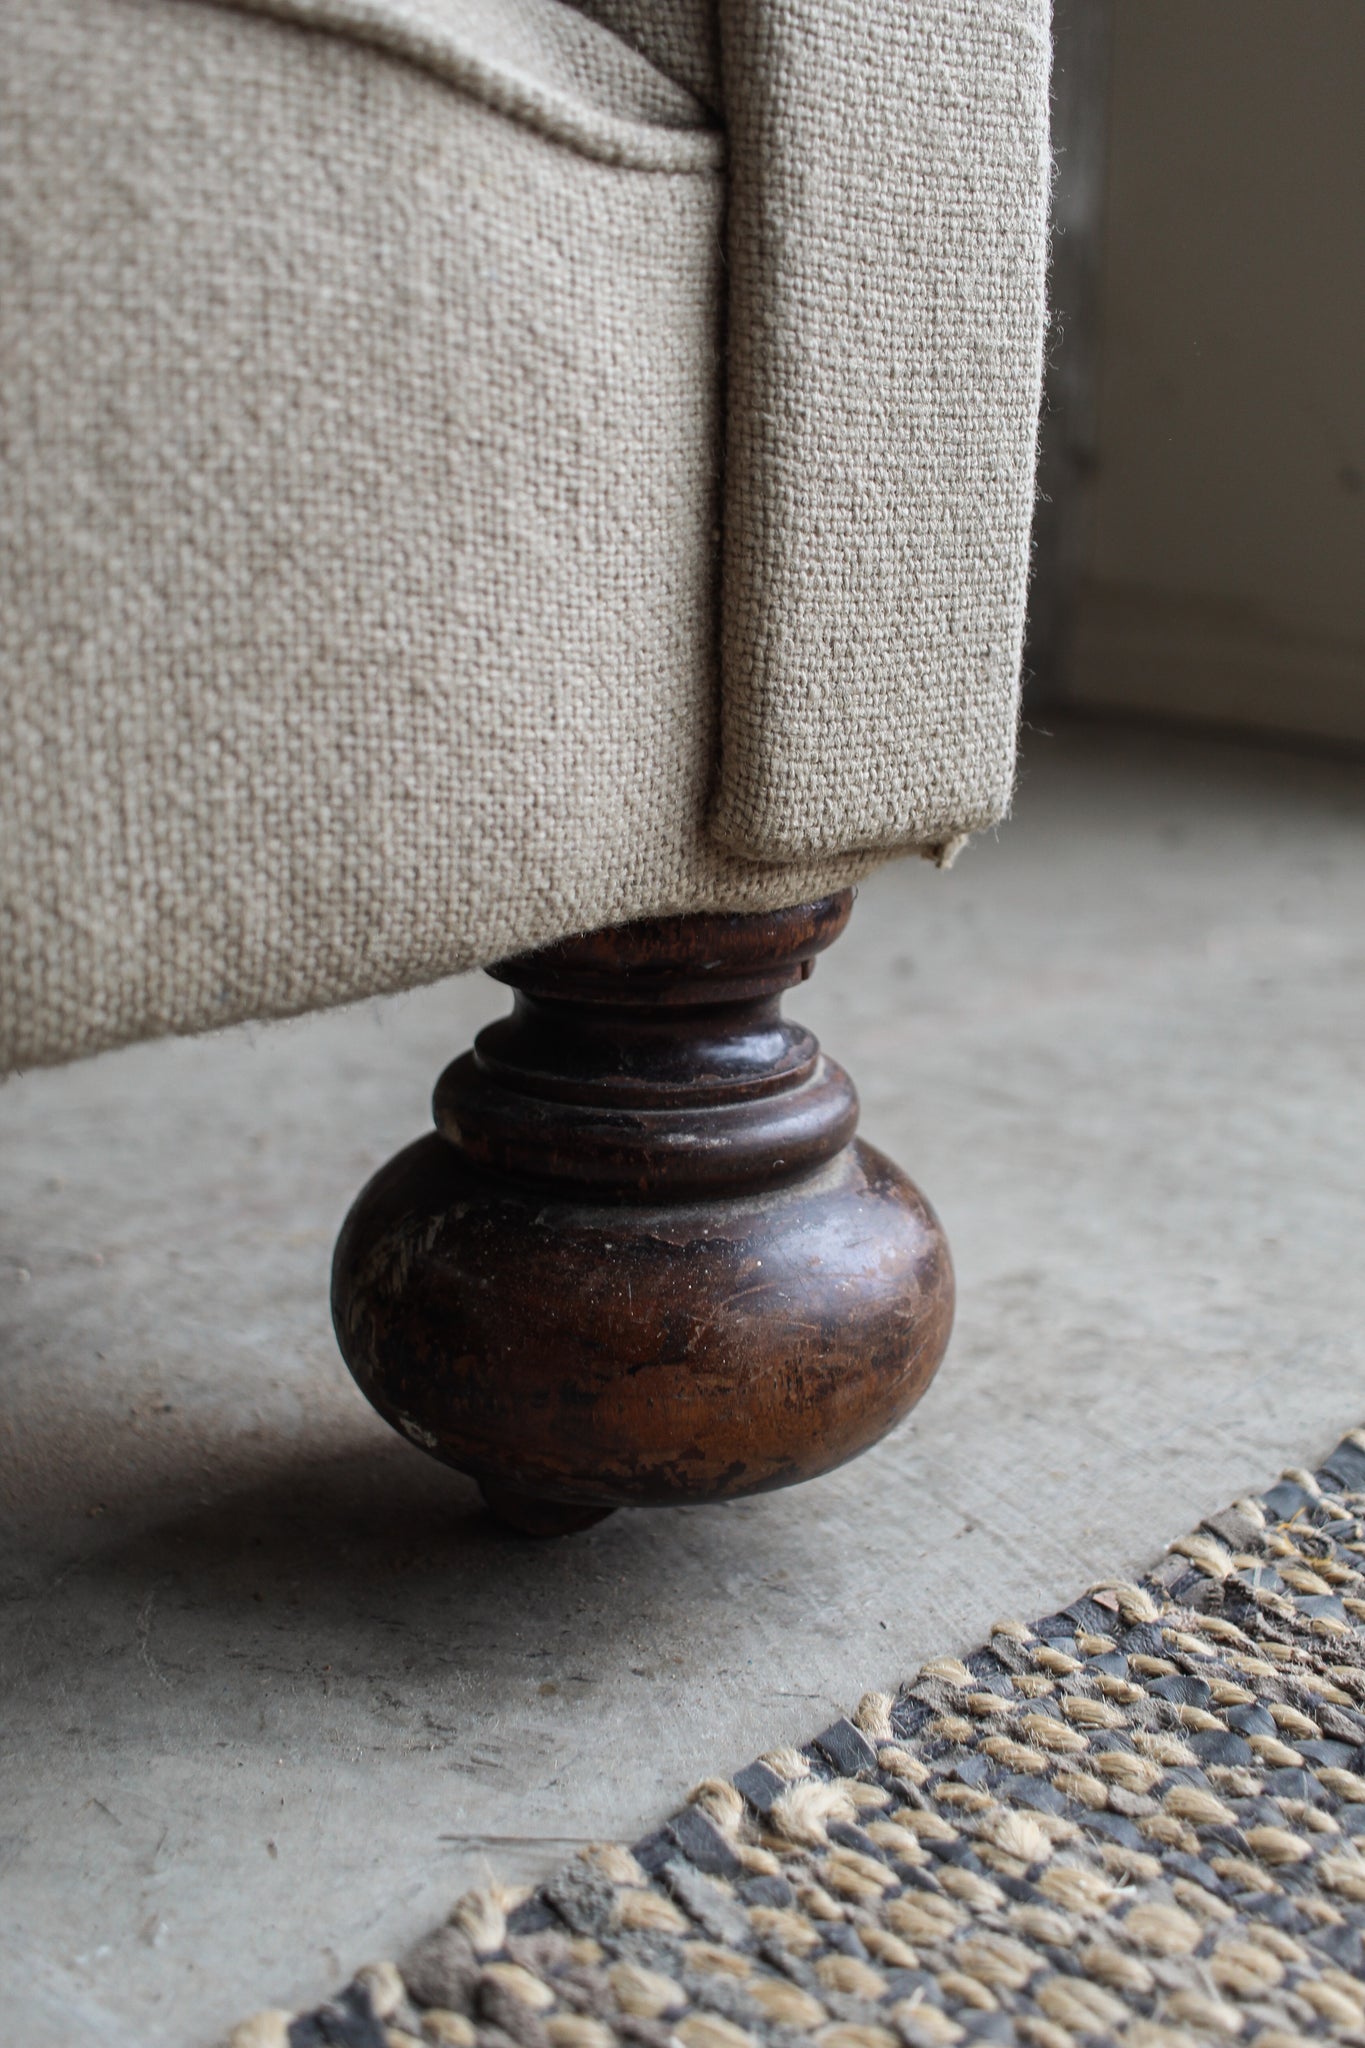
x=365, y=470
x=889, y=178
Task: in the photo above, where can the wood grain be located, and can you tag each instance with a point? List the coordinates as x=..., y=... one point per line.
x=643, y=1259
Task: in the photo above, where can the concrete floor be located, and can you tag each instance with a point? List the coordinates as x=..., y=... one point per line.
x=275, y=1690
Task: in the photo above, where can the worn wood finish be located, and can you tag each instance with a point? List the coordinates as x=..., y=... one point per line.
x=643, y=1259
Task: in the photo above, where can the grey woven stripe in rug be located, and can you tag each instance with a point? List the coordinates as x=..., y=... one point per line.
x=1140, y=1820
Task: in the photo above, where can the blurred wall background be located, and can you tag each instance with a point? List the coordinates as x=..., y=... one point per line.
x=1201, y=550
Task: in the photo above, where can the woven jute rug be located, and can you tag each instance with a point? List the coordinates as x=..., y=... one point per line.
x=1141, y=1820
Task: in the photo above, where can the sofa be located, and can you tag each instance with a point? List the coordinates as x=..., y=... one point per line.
x=477, y=470
x=481, y=472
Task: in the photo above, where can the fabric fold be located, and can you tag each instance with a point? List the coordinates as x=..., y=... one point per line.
x=540, y=62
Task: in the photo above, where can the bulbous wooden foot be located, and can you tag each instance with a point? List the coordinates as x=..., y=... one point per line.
x=643, y=1259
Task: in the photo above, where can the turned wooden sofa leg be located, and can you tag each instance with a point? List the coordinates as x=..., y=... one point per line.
x=643, y=1259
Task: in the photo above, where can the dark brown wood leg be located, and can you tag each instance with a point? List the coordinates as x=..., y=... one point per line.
x=643, y=1259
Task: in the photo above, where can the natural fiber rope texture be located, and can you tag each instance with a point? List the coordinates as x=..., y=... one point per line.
x=1138, y=1820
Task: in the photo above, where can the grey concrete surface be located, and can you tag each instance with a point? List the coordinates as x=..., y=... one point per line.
x=275, y=1692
